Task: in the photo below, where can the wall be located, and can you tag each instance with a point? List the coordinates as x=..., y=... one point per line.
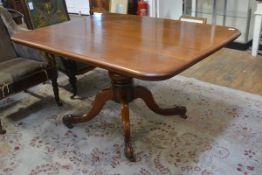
x=171, y=9
x=236, y=15
x=78, y=6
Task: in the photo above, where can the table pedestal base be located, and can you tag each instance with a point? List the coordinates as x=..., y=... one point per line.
x=123, y=92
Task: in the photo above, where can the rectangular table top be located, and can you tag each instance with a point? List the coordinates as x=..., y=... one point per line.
x=140, y=47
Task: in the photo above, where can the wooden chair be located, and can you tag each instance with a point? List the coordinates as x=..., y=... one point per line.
x=48, y=12
x=193, y=19
x=19, y=65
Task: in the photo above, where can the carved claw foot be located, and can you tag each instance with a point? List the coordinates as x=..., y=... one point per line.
x=67, y=122
x=184, y=116
x=129, y=152
x=181, y=111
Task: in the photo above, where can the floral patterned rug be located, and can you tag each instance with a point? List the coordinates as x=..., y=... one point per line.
x=222, y=135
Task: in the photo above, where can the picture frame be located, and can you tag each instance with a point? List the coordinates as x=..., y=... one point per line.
x=119, y=6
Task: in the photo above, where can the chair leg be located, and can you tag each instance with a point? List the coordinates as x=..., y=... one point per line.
x=2, y=131
x=73, y=81
x=71, y=71
x=55, y=89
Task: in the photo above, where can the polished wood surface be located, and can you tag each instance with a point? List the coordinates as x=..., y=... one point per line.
x=140, y=47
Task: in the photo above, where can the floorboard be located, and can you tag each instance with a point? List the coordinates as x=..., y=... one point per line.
x=231, y=68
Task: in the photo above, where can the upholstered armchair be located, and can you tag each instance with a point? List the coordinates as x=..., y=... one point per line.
x=21, y=67
x=48, y=12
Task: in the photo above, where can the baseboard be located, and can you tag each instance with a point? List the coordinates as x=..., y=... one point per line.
x=239, y=46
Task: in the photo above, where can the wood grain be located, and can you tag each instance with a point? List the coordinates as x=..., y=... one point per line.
x=139, y=47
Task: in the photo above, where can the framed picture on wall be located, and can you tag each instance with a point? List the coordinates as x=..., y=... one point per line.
x=119, y=6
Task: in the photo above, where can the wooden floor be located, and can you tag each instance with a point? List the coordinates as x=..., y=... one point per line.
x=231, y=68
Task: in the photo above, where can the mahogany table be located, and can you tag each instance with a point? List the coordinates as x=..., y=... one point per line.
x=130, y=47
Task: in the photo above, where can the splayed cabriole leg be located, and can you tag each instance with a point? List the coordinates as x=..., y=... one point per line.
x=123, y=91
x=126, y=127
x=2, y=131
x=98, y=104
x=147, y=97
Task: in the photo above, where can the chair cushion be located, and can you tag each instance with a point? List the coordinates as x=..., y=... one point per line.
x=6, y=48
x=17, y=68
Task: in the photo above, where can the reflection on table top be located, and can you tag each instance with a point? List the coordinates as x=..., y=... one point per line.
x=141, y=47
